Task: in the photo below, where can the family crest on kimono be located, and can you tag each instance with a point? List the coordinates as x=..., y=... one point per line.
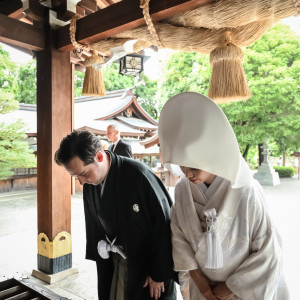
x=127, y=217
x=225, y=245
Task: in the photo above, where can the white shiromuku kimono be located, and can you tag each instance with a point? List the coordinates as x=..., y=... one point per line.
x=195, y=133
x=251, y=247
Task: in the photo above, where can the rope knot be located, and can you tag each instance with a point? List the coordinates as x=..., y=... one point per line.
x=211, y=220
x=104, y=247
x=229, y=51
x=227, y=37
x=212, y=224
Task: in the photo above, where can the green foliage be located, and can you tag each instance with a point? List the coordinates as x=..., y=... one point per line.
x=26, y=83
x=184, y=72
x=78, y=83
x=285, y=171
x=115, y=81
x=7, y=102
x=252, y=158
x=146, y=95
x=272, y=67
x=14, y=150
x=273, y=111
x=8, y=71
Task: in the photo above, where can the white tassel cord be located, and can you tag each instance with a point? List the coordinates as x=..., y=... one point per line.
x=214, y=258
x=104, y=247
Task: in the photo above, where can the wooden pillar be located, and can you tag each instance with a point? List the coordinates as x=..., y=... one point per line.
x=55, y=102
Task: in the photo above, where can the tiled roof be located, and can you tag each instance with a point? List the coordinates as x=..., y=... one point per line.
x=90, y=108
x=87, y=114
x=137, y=123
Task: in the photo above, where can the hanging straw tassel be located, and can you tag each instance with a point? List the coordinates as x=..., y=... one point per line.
x=93, y=84
x=228, y=81
x=214, y=252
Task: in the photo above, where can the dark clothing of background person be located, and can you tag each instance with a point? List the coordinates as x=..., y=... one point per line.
x=144, y=233
x=122, y=148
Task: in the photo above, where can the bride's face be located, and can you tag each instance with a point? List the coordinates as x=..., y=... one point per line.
x=197, y=176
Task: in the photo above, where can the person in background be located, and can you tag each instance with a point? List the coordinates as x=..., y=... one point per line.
x=118, y=146
x=127, y=217
x=225, y=245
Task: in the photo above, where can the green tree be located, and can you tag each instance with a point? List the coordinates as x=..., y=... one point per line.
x=14, y=150
x=115, y=81
x=78, y=83
x=146, y=93
x=8, y=71
x=26, y=83
x=184, y=72
x=273, y=111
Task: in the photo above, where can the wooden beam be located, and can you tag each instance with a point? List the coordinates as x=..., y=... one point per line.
x=120, y=17
x=34, y=10
x=89, y=6
x=20, y=34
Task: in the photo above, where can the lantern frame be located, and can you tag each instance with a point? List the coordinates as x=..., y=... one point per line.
x=131, y=64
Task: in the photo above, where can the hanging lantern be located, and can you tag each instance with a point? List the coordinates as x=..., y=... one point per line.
x=131, y=64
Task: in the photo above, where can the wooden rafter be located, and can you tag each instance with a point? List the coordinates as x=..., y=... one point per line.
x=18, y=33
x=119, y=17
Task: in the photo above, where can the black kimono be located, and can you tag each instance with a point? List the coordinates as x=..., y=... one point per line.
x=144, y=233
